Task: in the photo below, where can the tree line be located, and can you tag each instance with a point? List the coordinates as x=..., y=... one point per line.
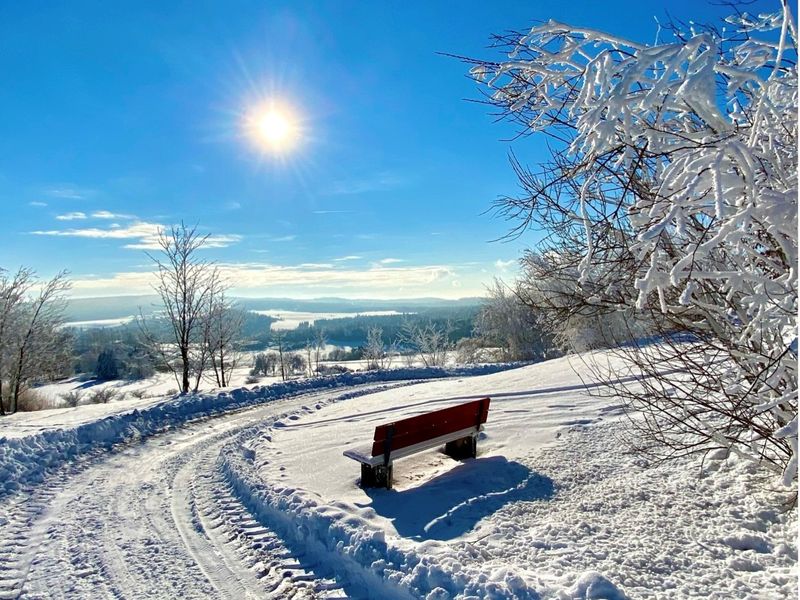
x=198, y=333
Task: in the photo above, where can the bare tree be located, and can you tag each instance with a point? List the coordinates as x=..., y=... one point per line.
x=32, y=343
x=224, y=333
x=278, y=337
x=185, y=286
x=309, y=358
x=509, y=323
x=13, y=290
x=319, y=348
x=374, y=349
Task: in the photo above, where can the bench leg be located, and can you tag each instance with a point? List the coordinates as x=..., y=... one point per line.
x=466, y=447
x=377, y=476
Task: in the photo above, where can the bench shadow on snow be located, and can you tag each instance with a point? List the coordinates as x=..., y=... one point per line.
x=451, y=504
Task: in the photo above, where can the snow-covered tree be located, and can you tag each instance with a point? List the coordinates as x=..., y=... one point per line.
x=513, y=325
x=674, y=181
x=428, y=340
x=33, y=346
x=378, y=355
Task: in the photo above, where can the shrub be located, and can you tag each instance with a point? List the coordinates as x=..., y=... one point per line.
x=30, y=400
x=103, y=395
x=72, y=398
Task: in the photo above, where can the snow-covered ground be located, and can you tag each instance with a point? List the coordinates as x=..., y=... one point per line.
x=157, y=386
x=143, y=391
x=552, y=507
x=246, y=493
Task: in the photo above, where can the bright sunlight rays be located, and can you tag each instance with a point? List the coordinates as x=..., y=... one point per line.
x=273, y=128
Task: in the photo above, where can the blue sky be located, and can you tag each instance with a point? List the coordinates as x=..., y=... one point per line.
x=121, y=117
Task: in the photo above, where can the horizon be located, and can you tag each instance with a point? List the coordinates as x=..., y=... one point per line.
x=310, y=298
x=369, y=175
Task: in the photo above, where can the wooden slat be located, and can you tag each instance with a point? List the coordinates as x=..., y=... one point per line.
x=364, y=456
x=414, y=430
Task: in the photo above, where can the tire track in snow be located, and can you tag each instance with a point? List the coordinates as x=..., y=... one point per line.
x=154, y=519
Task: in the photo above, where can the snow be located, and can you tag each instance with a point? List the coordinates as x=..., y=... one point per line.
x=155, y=387
x=553, y=506
x=321, y=467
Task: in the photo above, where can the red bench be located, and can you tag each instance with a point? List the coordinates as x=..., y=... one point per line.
x=456, y=427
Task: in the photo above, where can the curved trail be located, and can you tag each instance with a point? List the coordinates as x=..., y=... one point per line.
x=154, y=519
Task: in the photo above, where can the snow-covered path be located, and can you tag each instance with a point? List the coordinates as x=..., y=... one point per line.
x=155, y=519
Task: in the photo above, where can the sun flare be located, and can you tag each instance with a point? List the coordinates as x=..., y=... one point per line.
x=272, y=128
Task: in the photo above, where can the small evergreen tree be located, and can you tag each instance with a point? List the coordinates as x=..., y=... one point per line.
x=107, y=365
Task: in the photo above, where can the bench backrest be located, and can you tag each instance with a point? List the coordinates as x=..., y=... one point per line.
x=421, y=428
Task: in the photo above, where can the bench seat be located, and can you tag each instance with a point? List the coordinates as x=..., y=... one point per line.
x=363, y=454
x=456, y=427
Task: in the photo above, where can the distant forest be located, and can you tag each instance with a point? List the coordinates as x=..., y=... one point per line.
x=256, y=334
x=352, y=331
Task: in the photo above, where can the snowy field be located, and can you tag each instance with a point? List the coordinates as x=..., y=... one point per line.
x=143, y=391
x=552, y=507
x=246, y=493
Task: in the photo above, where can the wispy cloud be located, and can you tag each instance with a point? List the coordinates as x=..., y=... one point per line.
x=332, y=212
x=69, y=192
x=379, y=182
x=144, y=235
x=36, y=203
x=390, y=261
x=349, y=257
x=71, y=216
x=105, y=214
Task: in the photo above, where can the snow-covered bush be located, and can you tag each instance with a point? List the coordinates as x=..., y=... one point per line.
x=509, y=322
x=71, y=398
x=675, y=187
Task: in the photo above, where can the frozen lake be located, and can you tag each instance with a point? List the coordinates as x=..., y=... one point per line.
x=290, y=319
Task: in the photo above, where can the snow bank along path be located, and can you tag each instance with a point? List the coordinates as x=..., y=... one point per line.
x=553, y=507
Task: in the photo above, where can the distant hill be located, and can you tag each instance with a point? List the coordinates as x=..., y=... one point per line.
x=345, y=305
x=118, y=307
x=110, y=307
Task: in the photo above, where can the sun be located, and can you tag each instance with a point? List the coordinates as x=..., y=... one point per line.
x=273, y=128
